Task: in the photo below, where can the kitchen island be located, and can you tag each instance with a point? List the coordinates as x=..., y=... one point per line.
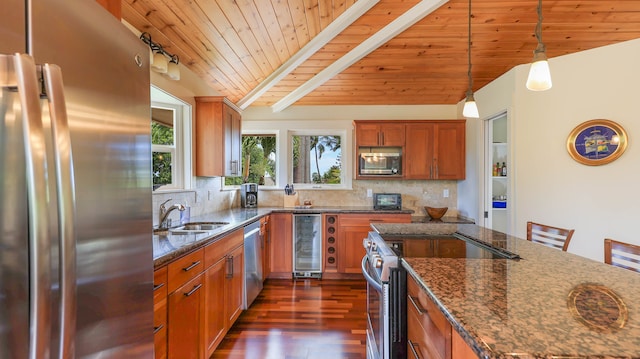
x=548, y=304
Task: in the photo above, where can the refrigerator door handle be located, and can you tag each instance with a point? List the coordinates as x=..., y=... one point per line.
x=39, y=238
x=62, y=155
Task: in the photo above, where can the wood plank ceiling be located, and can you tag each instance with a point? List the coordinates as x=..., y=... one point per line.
x=235, y=45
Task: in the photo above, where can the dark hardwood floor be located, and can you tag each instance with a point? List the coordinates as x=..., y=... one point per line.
x=301, y=319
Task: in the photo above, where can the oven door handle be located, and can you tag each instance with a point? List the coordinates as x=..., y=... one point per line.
x=369, y=278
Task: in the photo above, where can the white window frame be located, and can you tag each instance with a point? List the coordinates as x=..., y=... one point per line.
x=180, y=152
x=278, y=158
x=345, y=158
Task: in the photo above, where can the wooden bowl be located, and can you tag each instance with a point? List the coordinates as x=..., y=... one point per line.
x=435, y=212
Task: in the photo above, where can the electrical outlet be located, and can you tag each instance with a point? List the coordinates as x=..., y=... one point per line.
x=445, y=193
x=369, y=193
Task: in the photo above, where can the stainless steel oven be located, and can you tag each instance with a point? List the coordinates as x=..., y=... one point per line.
x=386, y=301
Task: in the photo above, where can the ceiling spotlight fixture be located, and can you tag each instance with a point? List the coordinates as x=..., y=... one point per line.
x=539, y=75
x=162, y=61
x=470, y=109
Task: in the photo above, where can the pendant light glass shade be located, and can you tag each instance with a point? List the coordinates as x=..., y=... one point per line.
x=173, y=71
x=539, y=74
x=470, y=109
x=539, y=78
x=160, y=63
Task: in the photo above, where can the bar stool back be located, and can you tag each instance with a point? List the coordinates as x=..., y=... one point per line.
x=620, y=254
x=555, y=237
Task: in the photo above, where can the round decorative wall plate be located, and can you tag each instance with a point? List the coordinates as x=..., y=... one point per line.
x=597, y=307
x=597, y=142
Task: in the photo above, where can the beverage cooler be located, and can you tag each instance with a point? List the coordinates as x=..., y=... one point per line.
x=307, y=245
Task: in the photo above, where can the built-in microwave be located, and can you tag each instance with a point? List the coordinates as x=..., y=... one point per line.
x=380, y=163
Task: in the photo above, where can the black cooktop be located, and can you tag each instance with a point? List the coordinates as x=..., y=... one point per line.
x=444, y=246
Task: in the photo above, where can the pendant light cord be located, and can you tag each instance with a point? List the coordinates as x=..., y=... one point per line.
x=469, y=44
x=539, y=27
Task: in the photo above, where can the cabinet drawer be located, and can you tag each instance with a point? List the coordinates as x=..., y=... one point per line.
x=214, y=252
x=435, y=329
x=160, y=343
x=182, y=270
x=160, y=329
x=159, y=284
x=160, y=315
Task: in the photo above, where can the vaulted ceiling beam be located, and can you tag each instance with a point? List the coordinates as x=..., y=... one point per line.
x=343, y=21
x=388, y=32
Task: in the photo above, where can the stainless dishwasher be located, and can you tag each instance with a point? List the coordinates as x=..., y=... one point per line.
x=307, y=245
x=252, y=263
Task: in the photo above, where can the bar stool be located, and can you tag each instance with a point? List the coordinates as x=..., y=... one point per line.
x=623, y=255
x=555, y=237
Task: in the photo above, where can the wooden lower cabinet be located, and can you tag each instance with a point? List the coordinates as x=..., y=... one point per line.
x=185, y=318
x=197, y=298
x=281, y=251
x=352, y=230
x=429, y=333
x=224, y=291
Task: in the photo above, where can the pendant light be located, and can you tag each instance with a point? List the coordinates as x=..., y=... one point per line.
x=470, y=109
x=539, y=75
x=173, y=71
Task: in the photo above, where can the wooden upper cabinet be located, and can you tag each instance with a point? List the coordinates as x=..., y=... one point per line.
x=218, y=137
x=379, y=133
x=435, y=150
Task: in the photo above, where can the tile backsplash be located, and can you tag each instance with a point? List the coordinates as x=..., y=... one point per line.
x=415, y=195
x=208, y=197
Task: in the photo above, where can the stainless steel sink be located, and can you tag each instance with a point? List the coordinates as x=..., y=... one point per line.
x=202, y=226
x=190, y=228
x=197, y=227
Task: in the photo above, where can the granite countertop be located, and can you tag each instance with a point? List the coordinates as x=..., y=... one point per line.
x=549, y=304
x=450, y=219
x=167, y=246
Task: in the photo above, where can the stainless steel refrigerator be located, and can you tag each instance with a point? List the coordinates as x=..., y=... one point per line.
x=76, y=262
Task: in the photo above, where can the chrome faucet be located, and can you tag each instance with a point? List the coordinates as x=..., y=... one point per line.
x=163, y=221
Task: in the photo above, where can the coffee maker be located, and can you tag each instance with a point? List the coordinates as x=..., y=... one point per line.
x=249, y=195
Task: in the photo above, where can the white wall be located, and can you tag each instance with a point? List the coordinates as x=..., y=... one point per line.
x=549, y=186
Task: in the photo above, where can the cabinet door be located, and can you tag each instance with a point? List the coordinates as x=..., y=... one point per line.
x=418, y=155
x=351, y=250
x=392, y=134
x=234, y=285
x=209, y=135
x=214, y=309
x=232, y=141
x=281, y=244
x=218, y=138
x=185, y=315
x=449, y=156
x=266, y=246
x=371, y=134
x=368, y=134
